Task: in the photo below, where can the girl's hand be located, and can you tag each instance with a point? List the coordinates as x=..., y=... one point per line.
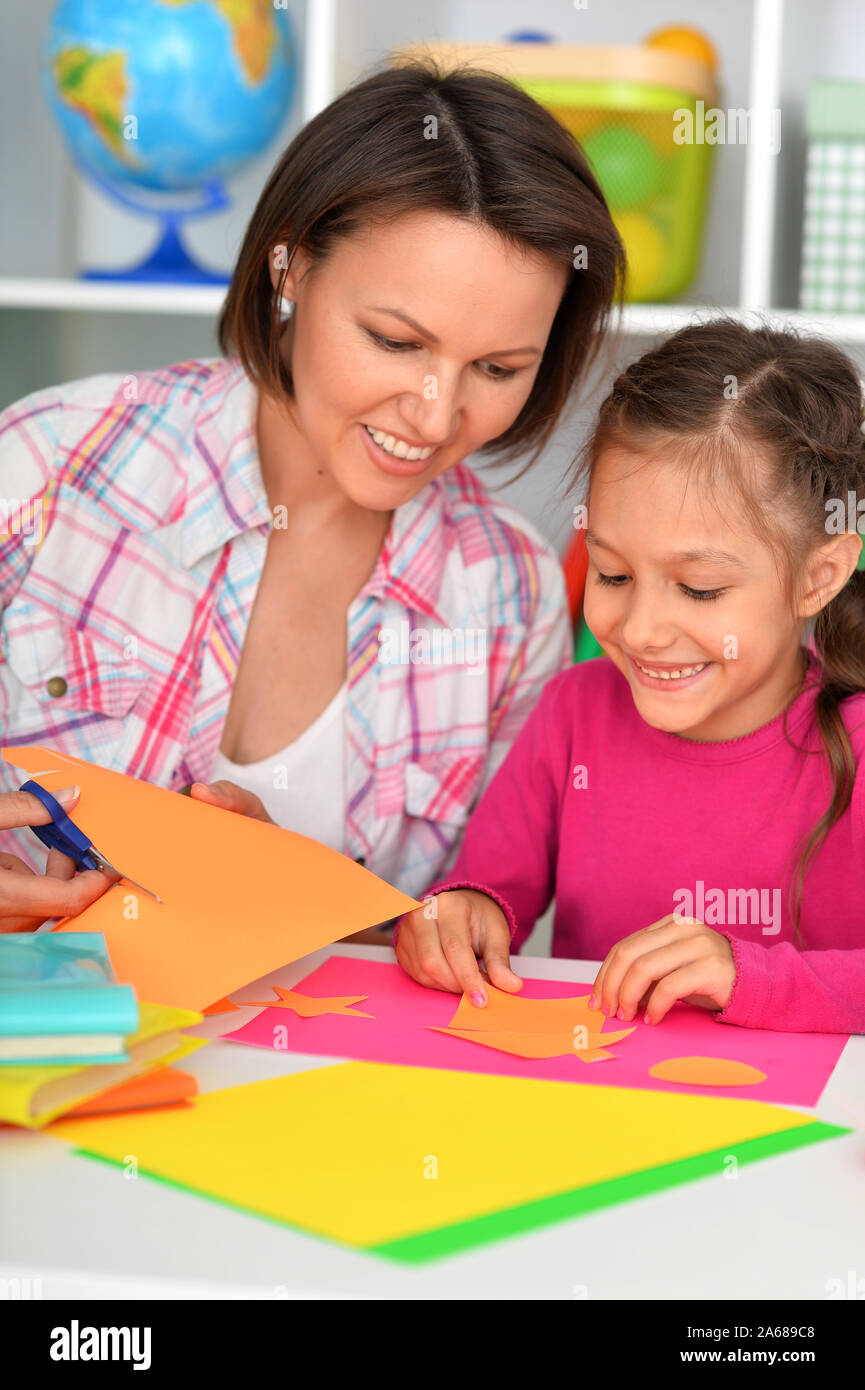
x=230, y=797
x=28, y=899
x=675, y=958
x=440, y=951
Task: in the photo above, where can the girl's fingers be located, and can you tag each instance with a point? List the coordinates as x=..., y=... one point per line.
x=497, y=962
x=677, y=985
x=425, y=958
x=653, y=967
x=597, y=995
x=457, y=949
x=623, y=955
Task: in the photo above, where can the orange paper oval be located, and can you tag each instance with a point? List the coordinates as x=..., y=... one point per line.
x=707, y=1071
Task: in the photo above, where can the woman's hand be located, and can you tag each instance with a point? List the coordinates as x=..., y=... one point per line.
x=28, y=899
x=230, y=797
x=439, y=942
x=675, y=958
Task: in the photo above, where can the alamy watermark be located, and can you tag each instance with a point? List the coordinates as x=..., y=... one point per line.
x=404, y=645
x=719, y=907
x=739, y=125
x=21, y=518
x=844, y=516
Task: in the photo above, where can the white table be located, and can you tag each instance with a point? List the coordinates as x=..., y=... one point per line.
x=783, y=1228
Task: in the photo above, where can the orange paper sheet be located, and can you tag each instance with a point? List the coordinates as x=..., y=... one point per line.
x=239, y=897
x=308, y=1006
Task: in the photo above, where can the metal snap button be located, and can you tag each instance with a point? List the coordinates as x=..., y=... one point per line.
x=56, y=686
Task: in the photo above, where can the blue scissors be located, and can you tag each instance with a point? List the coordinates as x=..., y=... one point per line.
x=63, y=834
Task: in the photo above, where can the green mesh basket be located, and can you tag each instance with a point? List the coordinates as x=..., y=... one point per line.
x=657, y=189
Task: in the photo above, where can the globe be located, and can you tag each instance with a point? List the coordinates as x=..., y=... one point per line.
x=168, y=97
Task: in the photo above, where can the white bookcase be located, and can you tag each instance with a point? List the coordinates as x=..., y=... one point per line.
x=54, y=326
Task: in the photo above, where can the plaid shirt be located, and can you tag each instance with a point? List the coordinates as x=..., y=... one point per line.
x=132, y=537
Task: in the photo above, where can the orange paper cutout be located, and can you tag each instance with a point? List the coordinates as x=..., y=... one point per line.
x=707, y=1071
x=510, y=1013
x=535, y=1028
x=240, y=897
x=540, y=1044
x=222, y=1006
x=308, y=1006
x=534, y=1045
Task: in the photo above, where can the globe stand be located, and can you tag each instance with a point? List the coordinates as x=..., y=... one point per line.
x=169, y=263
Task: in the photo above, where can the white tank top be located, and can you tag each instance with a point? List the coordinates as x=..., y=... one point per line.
x=302, y=786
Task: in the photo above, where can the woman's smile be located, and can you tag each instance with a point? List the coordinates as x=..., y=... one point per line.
x=396, y=456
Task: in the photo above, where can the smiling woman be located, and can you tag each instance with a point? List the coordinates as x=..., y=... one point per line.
x=230, y=540
x=491, y=159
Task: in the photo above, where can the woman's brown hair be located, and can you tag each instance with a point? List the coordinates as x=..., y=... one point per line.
x=497, y=158
x=777, y=415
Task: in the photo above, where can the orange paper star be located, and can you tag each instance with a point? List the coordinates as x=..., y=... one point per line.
x=306, y=1006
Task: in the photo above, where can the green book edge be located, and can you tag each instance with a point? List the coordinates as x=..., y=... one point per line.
x=479, y=1230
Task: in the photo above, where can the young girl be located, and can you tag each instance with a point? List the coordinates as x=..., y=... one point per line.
x=696, y=803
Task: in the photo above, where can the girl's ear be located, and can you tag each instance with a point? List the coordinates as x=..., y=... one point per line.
x=829, y=568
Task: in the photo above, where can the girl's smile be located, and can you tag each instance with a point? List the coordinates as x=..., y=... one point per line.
x=667, y=678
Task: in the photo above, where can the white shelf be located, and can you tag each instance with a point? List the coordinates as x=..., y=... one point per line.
x=647, y=319
x=639, y=320
x=52, y=222
x=22, y=292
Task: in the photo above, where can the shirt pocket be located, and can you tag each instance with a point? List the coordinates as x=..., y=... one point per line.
x=443, y=787
x=60, y=669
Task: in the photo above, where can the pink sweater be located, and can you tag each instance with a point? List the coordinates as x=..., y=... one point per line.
x=624, y=823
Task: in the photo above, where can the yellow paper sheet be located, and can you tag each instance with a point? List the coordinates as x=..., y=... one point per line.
x=240, y=897
x=364, y=1153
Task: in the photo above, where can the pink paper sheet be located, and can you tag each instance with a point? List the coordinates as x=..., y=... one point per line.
x=797, y=1065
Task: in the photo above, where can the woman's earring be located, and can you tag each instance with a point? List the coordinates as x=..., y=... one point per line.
x=286, y=308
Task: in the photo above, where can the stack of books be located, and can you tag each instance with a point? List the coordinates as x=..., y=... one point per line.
x=74, y=1040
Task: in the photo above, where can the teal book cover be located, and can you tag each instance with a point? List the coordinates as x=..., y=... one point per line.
x=62, y=987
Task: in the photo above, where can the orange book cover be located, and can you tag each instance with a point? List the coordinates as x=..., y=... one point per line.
x=160, y=1086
